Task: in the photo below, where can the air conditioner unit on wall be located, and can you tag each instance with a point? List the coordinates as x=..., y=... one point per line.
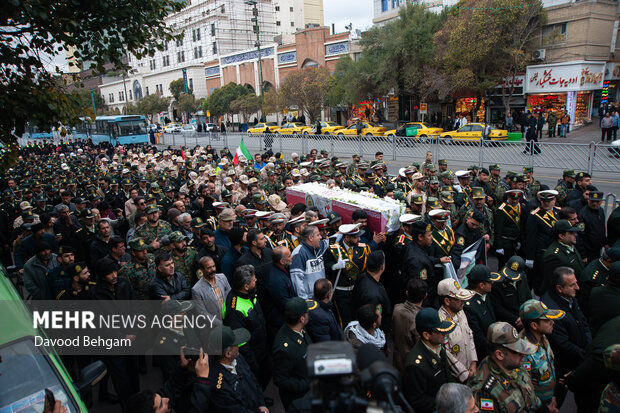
x=538, y=54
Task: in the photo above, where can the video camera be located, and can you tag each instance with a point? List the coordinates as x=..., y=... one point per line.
x=340, y=384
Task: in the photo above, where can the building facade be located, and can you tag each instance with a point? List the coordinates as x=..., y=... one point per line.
x=385, y=11
x=212, y=28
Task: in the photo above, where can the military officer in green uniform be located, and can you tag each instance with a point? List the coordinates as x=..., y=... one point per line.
x=562, y=252
x=508, y=226
x=153, y=229
x=278, y=235
x=184, y=257
x=81, y=286
x=140, y=270
x=500, y=384
x=446, y=181
x=396, y=254
x=270, y=186
x=344, y=262
x=427, y=366
x=495, y=177
x=443, y=235
x=479, y=309
x=565, y=185
x=533, y=185
x=478, y=198
x=446, y=200
x=442, y=165
x=353, y=166
x=289, y=351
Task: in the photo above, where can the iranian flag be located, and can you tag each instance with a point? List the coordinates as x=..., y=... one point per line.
x=242, y=150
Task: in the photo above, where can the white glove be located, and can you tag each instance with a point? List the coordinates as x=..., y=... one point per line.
x=529, y=264
x=500, y=251
x=518, y=245
x=339, y=265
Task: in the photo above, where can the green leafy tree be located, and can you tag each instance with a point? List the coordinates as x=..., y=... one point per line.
x=152, y=104
x=85, y=102
x=245, y=105
x=218, y=103
x=97, y=31
x=307, y=90
x=131, y=109
x=274, y=103
x=177, y=88
x=503, y=30
x=187, y=103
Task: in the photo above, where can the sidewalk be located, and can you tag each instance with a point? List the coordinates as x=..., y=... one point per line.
x=581, y=134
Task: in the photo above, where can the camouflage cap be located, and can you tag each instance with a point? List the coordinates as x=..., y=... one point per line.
x=477, y=193
x=494, y=167
x=225, y=193
x=442, y=162
x=528, y=169
x=137, y=244
x=506, y=335
x=446, y=196
x=176, y=236
x=536, y=310
x=433, y=203
x=569, y=172
x=259, y=199
x=151, y=209
x=417, y=199
x=611, y=357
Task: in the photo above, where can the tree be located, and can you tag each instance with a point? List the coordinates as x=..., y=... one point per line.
x=307, y=90
x=85, y=102
x=131, y=109
x=503, y=31
x=274, y=103
x=97, y=31
x=151, y=104
x=177, y=87
x=219, y=101
x=246, y=105
x=187, y=103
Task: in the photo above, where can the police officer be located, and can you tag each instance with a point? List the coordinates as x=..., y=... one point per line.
x=562, y=252
x=344, y=263
x=479, y=308
x=427, y=365
x=508, y=295
x=593, y=217
x=500, y=383
x=81, y=286
x=595, y=275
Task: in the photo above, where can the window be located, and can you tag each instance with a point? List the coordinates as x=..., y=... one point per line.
x=165, y=46
x=152, y=64
x=121, y=96
x=554, y=34
x=181, y=56
x=111, y=97
x=277, y=23
x=214, y=48
x=147, y=90
x=166, y=61
x=277, y=8
x=223, y=9
x=191, y=84
x=292, y=24
x=179, y=42
x=132, y=127
x=196, y=34
x=384, y=5
x=197, y=52
x=212, y=29
x=130, y=95
x=291, y=9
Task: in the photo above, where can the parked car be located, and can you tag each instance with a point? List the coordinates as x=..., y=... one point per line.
x=172, y=128
x=370, y=129
x=327, y=128
x=473, y=132
x=27, y=370
x=261, y=127
x=425, y=131
x=188, y=129
x=291, y=128
x=212, y=127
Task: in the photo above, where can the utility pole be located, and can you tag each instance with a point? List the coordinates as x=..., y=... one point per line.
x=92, y=98
x=254, y=20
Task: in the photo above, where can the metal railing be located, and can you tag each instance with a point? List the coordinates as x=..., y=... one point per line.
x=594, y=158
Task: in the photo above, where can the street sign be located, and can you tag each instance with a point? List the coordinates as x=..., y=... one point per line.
x=423, y=108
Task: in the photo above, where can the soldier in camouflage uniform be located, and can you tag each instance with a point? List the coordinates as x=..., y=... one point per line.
x=503, y=186
x=533, y=185
x=353, y=166
x=270, y=186
x=500, y=384
x=610, y=400
x=565, y=185
x=140, y=270
x=278, y=235
x=184, y=257
x=153, y=229
x=495, y=177
x=446, y=199
x=538, y=321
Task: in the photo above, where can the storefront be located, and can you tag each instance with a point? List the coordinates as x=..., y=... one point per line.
x=513, y=90
x=611, y=86
x=467, y=107
x=563, y=87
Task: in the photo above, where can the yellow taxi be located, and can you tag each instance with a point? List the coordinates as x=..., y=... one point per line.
x=370, y=129
x=425, y=130
x=291, y=128
x=473, y=132
x=262, y=127
x=172, y=128
x=327, y=128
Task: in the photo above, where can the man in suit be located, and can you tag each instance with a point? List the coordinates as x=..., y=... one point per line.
x=210, y=292
x=571, y=335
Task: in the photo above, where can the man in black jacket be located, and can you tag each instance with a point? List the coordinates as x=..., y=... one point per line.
x=593, y=216
x=369, y=290
x=508, y=295
x=279, y=286
x=571, y=335
x=242, y=310
x=167, y=283
x=209, y=248
x=323, y=325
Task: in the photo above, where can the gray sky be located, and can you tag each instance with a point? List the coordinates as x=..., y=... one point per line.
x=343, y=12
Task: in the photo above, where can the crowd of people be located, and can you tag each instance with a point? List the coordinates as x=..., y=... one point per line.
x=201, y=234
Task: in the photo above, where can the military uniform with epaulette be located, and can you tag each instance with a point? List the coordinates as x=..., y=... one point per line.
x=289, y=363
x=594, y=275
x=284, y=238
x=563, y=190
x=508, y=224
x=83, y=237
x=538, y=237
x=343, y=295
x=443, y=241
x=151, y=233
x=560, y=255
x=71, y=294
